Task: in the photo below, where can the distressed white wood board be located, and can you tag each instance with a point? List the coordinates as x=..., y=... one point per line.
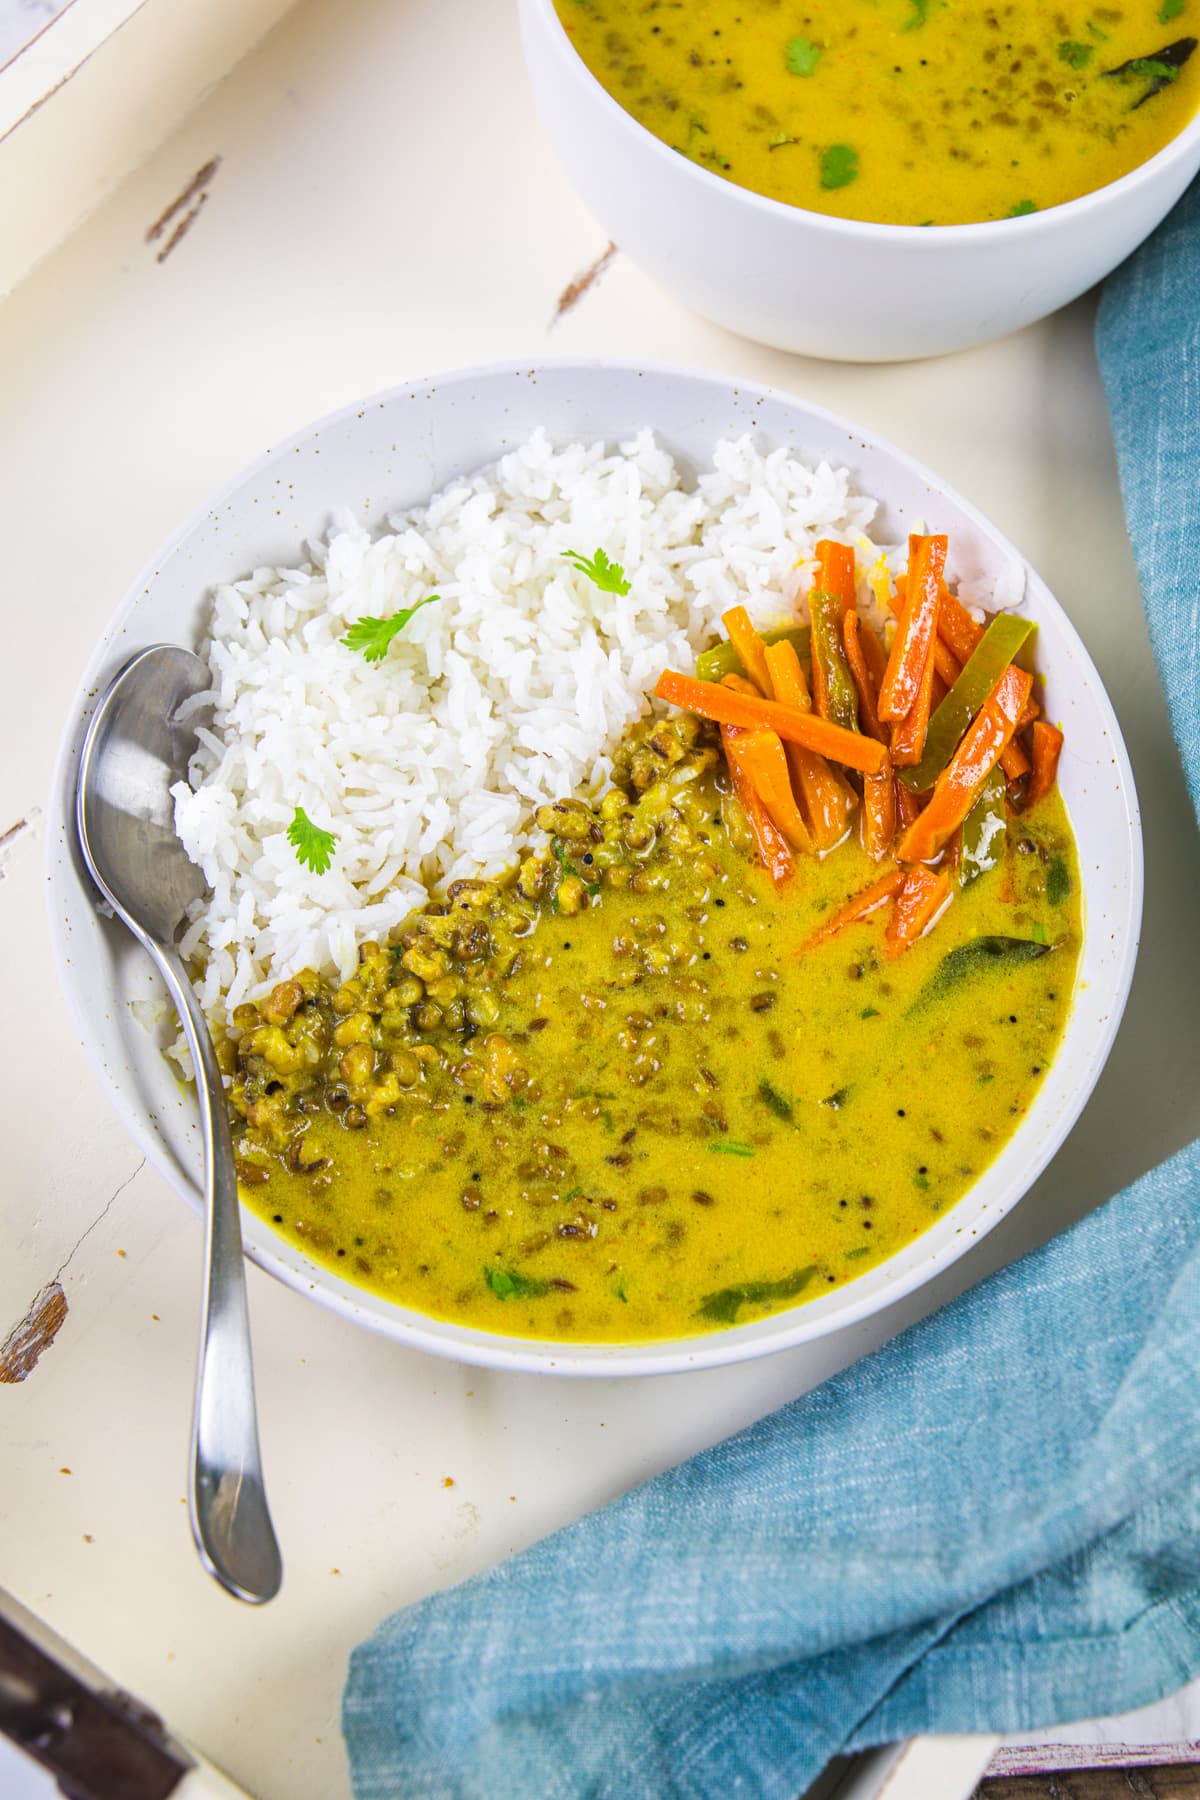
x=386, y=206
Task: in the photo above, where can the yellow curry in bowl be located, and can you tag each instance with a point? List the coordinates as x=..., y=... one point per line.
x=901, y=112
x=744, y=1027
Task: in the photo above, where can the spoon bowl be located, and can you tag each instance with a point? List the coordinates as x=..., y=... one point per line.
x=137, y=746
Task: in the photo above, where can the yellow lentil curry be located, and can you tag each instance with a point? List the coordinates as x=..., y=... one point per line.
x=617, y=1096
x=905, y=112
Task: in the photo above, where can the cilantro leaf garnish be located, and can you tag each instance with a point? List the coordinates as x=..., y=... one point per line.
x=372, y=636
x=839, y=166
x=802, y=56
x=1170, y=9
x=608, y=576
x=510, y=1284
x=568, y=867
x=1021, y=209
x=920, y=15
x=312, y=844
x=729, y=1148
x=1076, y=54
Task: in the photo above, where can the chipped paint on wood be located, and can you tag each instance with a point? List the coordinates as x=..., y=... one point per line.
x=26, y=1343
x=181, y=230
x=189, y=203
x=574, y=291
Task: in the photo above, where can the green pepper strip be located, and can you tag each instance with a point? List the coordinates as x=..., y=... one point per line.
x=984, y=831
x=723, y=659
x=827, y=611
x=991, y=656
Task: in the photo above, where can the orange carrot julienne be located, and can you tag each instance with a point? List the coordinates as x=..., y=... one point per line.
x=711, y=700
x=1014, y=761
x=1047, y=743
x=748, y=645
x=922, y=897
x=860, y=906
x=957, y=787
x=760, y=755
x=879, y=813
x=913, y=643
x=874, y=654
x=908, y=733
x=908, y=805
x=835, y=571
x=773, y=851
x=956, y=627
x=954, y=621
x=947, y=664
x=868, y=710
x=828, y=800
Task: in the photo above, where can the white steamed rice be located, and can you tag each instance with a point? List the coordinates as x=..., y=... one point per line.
x=511, y=691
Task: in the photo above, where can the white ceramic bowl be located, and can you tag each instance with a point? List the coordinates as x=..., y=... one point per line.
x=395, y=449
x=830, y=287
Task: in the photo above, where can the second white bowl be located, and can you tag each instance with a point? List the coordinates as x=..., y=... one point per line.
x=824, y=286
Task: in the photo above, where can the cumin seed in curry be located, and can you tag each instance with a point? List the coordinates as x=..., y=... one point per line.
x=621, y=1095
x=909, y=112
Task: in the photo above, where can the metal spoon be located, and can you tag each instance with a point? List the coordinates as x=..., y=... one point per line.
x=138, y=743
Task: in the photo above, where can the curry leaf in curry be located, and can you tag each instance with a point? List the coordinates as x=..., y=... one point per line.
x=510, y=1284
x=722, y=1308
x=778, y=1103
x=803, y=56
x=1170, y=9
x=980, y=956
x=312, y=844
x=608, y=576
x=839, y=166
x=371, y=637
x=728, y=1148
x=1076, y=54
x=1158, y=71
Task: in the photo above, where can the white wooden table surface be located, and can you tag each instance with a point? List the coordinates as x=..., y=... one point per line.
x=385, y=205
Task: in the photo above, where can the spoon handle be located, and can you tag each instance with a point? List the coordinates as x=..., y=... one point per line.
x=230, y=1520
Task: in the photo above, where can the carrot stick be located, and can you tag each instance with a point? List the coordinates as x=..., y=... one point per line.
x=957, y=787
x=835, y=571
x=828, y=799
x=908, y=804
x=913, y=643
x=1047, y=741
x=760, y=757
x=773, y=851
x=853, y=635
x=879, y=812
x=922, y=897
x=711, y=701
x=859, y=906
x=956, y=622
x=956, y=626
x=908, y=734
x=1014, y=762
x=748, y=645
x=945, y=661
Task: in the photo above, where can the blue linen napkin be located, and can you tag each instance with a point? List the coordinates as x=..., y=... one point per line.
x=993, y=1523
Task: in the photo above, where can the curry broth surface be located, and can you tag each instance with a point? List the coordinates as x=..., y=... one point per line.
x=646, y=1111
x=916, y=112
